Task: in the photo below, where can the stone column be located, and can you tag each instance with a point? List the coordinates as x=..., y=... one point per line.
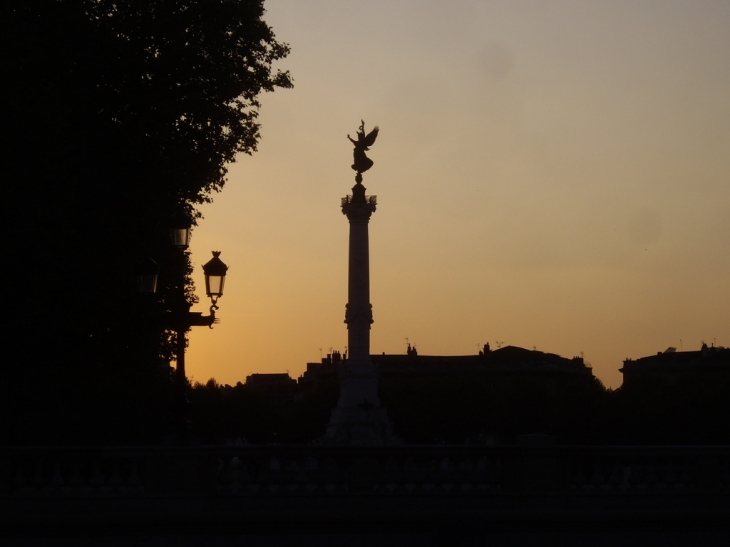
x=358, y=418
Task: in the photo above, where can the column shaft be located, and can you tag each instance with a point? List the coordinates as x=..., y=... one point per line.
x=359, y=310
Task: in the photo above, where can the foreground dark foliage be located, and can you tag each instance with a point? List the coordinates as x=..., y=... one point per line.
x=115, y=115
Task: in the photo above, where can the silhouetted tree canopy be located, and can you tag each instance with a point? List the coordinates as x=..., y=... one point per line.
x=471, y=408
x=115, y=115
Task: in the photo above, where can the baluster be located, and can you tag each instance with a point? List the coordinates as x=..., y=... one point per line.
x=235, y=466
x=44, y=485
x=395, y=476
x=485, y=468
x=498, y=473
x=404, y=472
x=38, y=480
x=466, y=465
x=445, y=465
x=725, y=475
x=614, y=476
x=57, y=485
x=97, y=479
x=627, y=481
x=134, y=482
x=311, y=468
x=291, y=466
x=670, y=477
x=76, y=480
x=409, y=465
x=22, y=486
x=299, y=480
x=221, y=479
x=482, y=464
x=243, y=466
x=330, y=465
x=115, y=483
x=686, y=478
x=444, y=472
x=330, y=470
x=660, y=470
x=427, y=473
x=231, y=474
x=597, y=479
x=390, y=471
x=57, y=479
x=578, y=479
x=465, y=469
x=273, y=466
x=651, y=480
x=295, y=475
x=311, y=464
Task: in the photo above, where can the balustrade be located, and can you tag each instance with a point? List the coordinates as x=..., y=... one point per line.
x=331, y=494
x=323, y=470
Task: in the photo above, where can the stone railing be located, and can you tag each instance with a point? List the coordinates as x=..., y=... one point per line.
x=312, y=470
x=320, y=495
x=651, y=469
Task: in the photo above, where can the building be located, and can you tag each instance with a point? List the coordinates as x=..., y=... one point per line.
x=507, y=362
x=280, y=388
x=671, y=366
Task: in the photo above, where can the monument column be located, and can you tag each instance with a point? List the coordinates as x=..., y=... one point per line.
x=361, y=383
x=359, y=418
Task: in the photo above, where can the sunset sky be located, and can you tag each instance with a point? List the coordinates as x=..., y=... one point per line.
x=549, y=174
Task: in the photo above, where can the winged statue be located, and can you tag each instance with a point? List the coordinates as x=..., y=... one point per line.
x=363, y=143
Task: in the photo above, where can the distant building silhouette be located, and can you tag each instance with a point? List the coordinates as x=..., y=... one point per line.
x=278, y=387
x=671, y=366
x=507, y=362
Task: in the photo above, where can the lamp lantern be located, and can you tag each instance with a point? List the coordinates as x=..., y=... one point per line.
x=180, y=224
x=147, y=271
x=215, y=275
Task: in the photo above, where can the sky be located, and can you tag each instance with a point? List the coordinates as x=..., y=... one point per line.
x=550, y=175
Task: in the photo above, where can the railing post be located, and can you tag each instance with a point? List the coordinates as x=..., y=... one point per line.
x=708, y=473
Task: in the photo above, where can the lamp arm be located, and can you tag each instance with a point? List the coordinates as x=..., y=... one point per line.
x=197, y=319
x=213, y=319
x=187, y=319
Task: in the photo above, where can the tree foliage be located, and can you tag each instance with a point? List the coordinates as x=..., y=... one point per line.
x=472, y=408
x=117, y=113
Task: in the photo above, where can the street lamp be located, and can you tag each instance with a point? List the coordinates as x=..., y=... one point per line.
x=147, y=271
x=215, y=276
x=181, y=320
x=180, y=224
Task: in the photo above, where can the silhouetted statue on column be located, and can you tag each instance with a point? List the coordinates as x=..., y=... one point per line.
x=361, y=162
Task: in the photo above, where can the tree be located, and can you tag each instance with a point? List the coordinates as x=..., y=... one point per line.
x=117, y=114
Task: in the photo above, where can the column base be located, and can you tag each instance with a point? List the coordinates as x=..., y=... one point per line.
x=364, y=425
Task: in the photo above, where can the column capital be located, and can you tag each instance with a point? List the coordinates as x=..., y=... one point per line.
x=358, y=211
x=359, y=206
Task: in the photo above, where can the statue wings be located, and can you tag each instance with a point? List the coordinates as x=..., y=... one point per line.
x=363, y=141
x=370, y=138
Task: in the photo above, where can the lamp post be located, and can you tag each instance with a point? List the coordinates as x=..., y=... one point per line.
x=180, y=319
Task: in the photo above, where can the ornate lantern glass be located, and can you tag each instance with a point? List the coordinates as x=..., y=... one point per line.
x=147, y=271
x=180, y=224
x=215, y=275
